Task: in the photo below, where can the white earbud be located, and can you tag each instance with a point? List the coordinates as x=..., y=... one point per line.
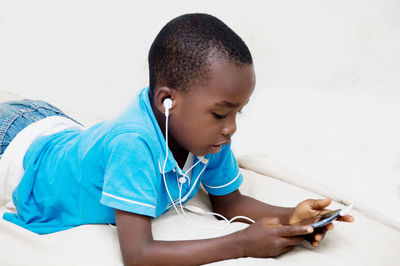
x=167, y=105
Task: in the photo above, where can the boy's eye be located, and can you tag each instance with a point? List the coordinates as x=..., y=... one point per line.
x=218, y=116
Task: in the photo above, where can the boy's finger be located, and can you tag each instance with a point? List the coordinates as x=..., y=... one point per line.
x=329, y=227
x=321, y=203
x=295, y=230
x=318, y=237
x=347, y=218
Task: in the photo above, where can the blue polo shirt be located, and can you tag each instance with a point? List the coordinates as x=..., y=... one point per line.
x=77, y=177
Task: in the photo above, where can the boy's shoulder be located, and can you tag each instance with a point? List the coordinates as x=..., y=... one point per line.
x=137, y=124
x=137, y=118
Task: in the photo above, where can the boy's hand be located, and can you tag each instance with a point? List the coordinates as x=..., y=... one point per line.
x=310, y=208
x=268, y=238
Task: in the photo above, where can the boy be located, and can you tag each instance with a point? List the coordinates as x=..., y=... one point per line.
x=124, y=171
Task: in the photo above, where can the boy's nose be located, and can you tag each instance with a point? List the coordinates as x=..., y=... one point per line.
x=230, y=128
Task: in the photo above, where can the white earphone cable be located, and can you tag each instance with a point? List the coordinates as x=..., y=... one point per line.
x=184, y=216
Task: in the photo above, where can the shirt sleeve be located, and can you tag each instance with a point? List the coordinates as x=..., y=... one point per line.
x=222, y=174
x=129, y=179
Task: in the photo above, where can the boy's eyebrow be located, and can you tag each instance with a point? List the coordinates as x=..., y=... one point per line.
x=229, y=104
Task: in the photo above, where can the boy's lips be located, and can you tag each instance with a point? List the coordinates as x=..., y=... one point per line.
x=226, y=142
x=217, y=147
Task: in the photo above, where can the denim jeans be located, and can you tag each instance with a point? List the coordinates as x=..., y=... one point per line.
x=16, y=115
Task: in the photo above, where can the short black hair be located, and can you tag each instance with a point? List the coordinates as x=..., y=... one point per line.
x=180, y=54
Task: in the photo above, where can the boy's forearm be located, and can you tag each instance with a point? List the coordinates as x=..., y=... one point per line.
x=256, y=209
x=238, y=204
x=190, y=252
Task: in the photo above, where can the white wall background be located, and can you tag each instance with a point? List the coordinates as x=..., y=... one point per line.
x=327, y=101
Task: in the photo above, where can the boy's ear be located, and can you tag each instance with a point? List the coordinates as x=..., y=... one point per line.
x=161, y=94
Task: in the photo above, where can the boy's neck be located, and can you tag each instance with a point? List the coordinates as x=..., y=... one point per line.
x=179, y=154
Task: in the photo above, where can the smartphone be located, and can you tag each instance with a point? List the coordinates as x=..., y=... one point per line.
x=326, y=219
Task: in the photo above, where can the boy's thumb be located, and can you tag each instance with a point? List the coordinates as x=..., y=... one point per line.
x=322, y=203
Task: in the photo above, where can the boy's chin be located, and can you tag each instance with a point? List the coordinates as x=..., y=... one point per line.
x=202, y=152
x=210, y=149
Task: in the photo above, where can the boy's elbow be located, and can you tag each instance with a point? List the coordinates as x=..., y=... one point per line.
x=140, y=256
x=136, y=258
x=130, y=259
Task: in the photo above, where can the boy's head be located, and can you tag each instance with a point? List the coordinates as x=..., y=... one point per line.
x=180, y=55
x=207, y=71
